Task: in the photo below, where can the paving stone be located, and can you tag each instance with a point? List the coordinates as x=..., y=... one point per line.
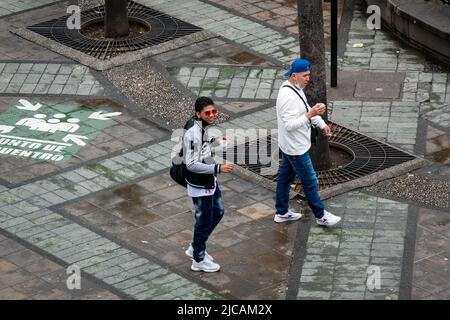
x=133, y=281
x=263, y=94
x=52, y=68
x=11, y=68
x=46, y=218
x=41, y=237
x=111, y=263
x=134, y=156
x=53, y=244
x=347, y=295
x=92, y=256
x=344, y=283
x=12, y=222
x=78, y=250
x=313, y=295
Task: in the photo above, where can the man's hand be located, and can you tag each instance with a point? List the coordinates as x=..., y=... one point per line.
x=327, y=130
x=226, y=168
x=318, y=109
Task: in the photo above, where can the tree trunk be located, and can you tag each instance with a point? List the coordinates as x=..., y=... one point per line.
x=116, y=19
x=312, y=48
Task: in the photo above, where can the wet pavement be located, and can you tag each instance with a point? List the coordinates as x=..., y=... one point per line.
x=27, y=274
x=97, y=194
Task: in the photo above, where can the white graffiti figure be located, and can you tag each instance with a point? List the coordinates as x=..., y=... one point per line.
x=38, y=123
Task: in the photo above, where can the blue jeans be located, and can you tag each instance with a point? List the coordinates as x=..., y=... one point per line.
x=300, y=166
x=208, y=213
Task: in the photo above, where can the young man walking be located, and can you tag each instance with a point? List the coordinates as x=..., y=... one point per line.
x=202, y=185
x=295, y=118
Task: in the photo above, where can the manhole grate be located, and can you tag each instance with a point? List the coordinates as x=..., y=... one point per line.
x=162, y=28
x=369, y=156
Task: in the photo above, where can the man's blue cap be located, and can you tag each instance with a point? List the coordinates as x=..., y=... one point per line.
x=298, y=65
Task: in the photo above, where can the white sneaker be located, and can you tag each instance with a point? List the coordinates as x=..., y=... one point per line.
x=205, y=265
x=288, y=216
x=190, y=253
x=328, y=219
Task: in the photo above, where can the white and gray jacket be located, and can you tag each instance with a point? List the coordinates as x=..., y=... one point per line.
x=198, y=156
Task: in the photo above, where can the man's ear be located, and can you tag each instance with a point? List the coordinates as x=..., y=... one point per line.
x=197, y=115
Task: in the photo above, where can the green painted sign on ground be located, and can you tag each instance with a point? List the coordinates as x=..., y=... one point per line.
x=49, y=132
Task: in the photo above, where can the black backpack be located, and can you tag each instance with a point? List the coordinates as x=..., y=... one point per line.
x=178, y=171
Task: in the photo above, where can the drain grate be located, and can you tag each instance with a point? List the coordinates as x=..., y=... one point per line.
x=369, y=156
x=162, y=28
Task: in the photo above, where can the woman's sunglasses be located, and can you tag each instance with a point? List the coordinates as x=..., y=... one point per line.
x=213, y=112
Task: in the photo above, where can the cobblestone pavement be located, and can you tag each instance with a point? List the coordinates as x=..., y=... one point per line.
x=14, y=49
x=372, y=234
x=52, y=78
x=251, y=35
x=278, y=13
x=231, y=82
x=431, y=257
x=9, y=6
x=420, y=93
x=111, y=208
x=377, y=51
x=75, y=244
x=214, y=51
x=26, y=274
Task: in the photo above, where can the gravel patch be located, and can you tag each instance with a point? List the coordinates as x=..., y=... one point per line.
x=419, y=188
x=141, y=82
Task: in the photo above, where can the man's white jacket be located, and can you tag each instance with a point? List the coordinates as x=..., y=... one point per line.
x=294, y=128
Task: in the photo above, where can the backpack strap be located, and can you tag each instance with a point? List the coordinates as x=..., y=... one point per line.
x=313, y=128
x=297, y=93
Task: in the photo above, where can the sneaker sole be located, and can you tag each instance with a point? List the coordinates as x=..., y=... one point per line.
x=328, y=225
x=198, y=269
x=286, y=220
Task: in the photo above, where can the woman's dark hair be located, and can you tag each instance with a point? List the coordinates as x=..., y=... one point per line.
x=202, y=102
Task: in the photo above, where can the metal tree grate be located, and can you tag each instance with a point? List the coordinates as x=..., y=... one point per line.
x=162, y=28
x=369, y=156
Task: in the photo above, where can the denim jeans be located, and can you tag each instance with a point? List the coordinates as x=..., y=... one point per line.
x=208, y=213
x=300, y=166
